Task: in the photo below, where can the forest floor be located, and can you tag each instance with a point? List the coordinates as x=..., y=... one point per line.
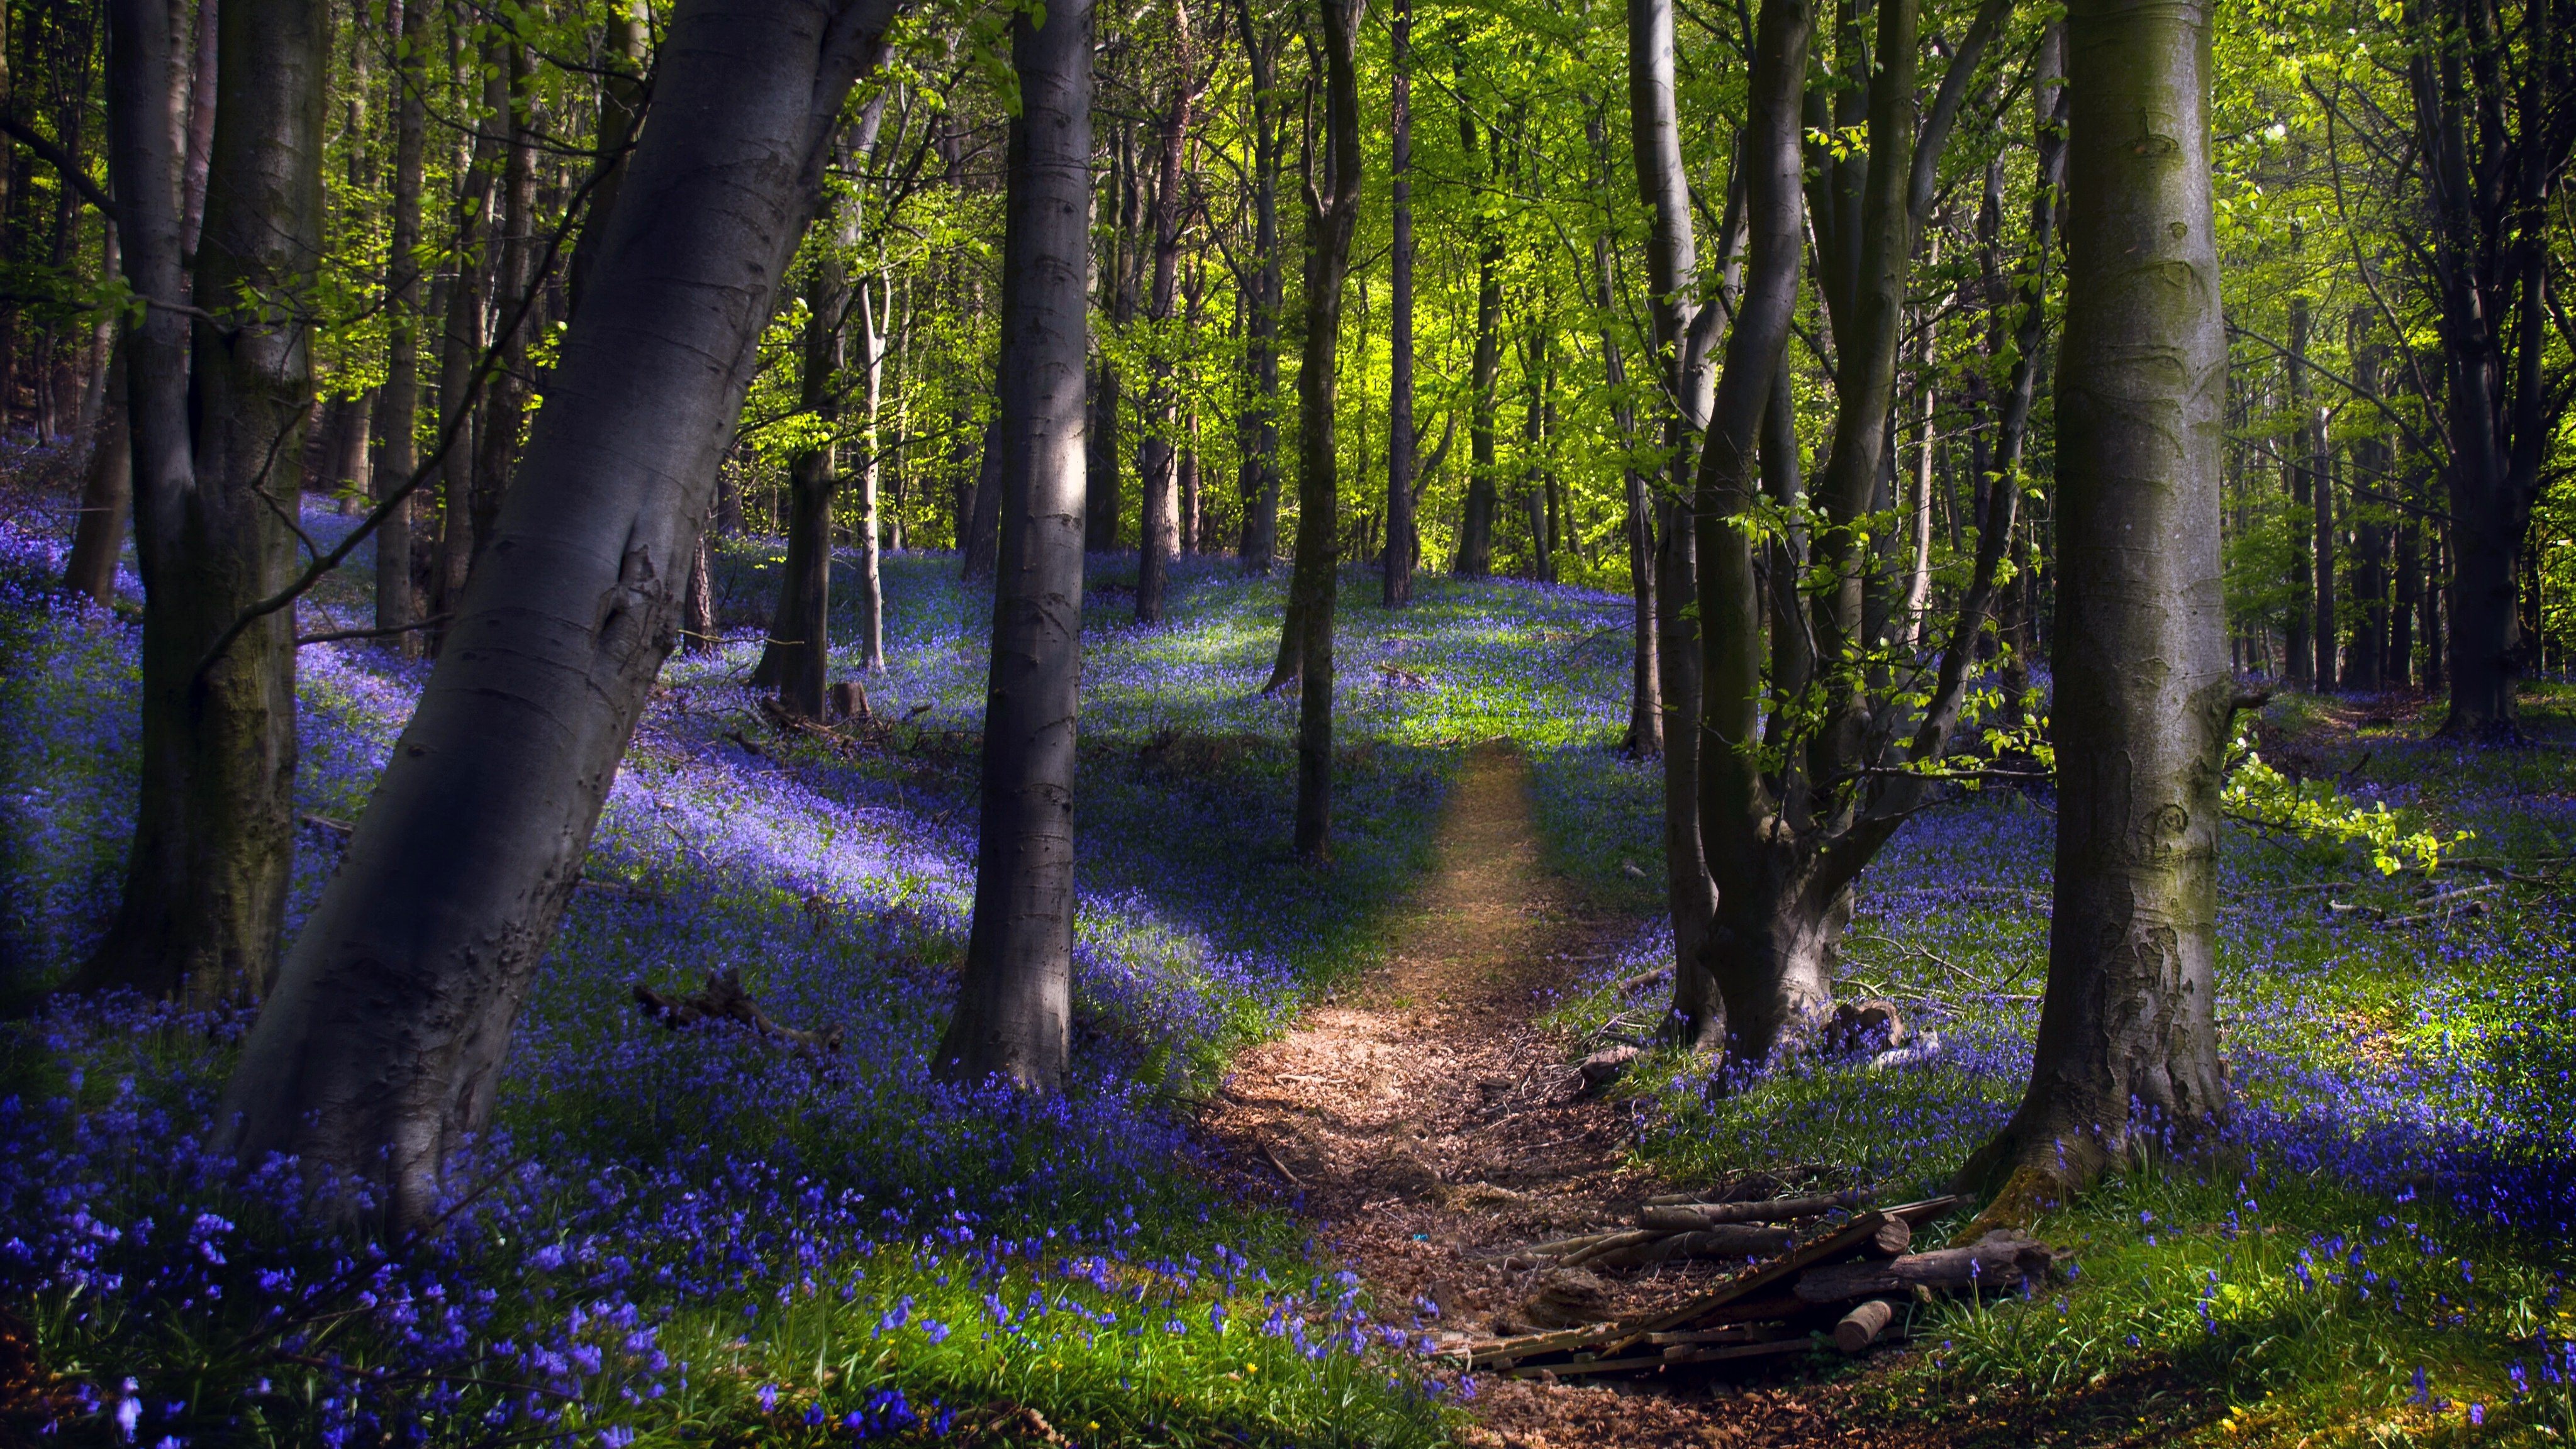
x=1428, y=1120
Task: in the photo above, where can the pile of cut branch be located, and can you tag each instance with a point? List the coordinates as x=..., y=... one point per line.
x=1843, y=1278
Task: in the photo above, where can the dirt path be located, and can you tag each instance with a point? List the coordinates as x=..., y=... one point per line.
x=1431, y=1125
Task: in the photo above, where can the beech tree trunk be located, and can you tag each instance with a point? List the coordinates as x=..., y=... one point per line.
x=1398, y=590
x=398, y=401
x=2298, y=629
x=1330, y=220
x=1257, y=479
x=472, y=256
x=206, y=878
x=1158, y=457
x=1672, y=270
x=2143, y=692
x=1475, y=557
x=381, y=1048
x=797, y=660
x=984, y=527
x=107, y=490
x=875, y=308
x=1014, y=1003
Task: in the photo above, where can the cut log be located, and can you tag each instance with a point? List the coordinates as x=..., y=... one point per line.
x=1891, y=1240
x=1854, y=1238
x=1734, y=1240
x=848, y=700
x=2000, y=1260
x=1610, y=1244
x=1861, y=1327
x=1687, y=1216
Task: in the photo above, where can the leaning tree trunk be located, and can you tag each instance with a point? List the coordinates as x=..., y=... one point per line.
x=1329, y=223
x=2128, y=1043
x=205, y=887
x=1015, y=1001
x=1398, y=583
x=381, y=1049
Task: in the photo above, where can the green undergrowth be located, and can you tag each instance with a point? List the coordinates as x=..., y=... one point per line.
x=2374, y=1253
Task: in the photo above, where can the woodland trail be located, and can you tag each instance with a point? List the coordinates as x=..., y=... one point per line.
x=1430, y=1123
x=1427, y=1123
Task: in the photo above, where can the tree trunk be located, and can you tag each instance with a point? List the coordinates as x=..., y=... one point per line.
x=1475, y=558
x=2298, y=627
x=472, y=258
x=205, y=888
x=698, y=602
x=1101, y=506
x=107, y=491
x=1258, y=476
x=1014, y=1004
x=797, y=661
x=509, y=271
x=2143, y=693
x=2364, y=670
x=874, y=304
x=1330, y=220
x=381, y=1049
x=1398, y=590
x=983, y=531
x=398, y=401
x=2321, y=474
x=1158, y=459
x=1754, y=959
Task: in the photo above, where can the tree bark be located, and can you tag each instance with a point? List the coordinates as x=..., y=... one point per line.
x=472, y=258
x=875, y=305
x=984, y=528
x=1400, y=443
x=206, y=878
x=1331, y=217
x=398, y=401
x=381, y=1049
x=1257, y=479
x=1014, y=1004
x=1158, y=459
x=2127, y=1038
x=2296, y=461
x=1475, y=557
x=107, y=491
x=1763, y=970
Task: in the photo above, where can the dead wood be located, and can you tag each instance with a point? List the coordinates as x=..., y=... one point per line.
x=1686, y=1216
x=1861, y=1327
x=725, y=1000
x=2000, y=1260
x=1732, y=1240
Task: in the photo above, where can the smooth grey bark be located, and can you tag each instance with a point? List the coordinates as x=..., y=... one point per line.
x=876, y=306
x=471, y=258
x=1257, y=478
x=107, y=490
x=1331, y=216
x=216, y=412
x=1157, y=456
x=1788, y=828
x=508, y=274
x=1014, y=1002
x=380, y=1052
x=1397, y=588
x=2128, y=1043
x=621, y=111
x=398, y=401
x=1645, y=736
x=1108, y=387
x=1475, y=556
x=1686, y=373
x=2299, y=465
x=984, y=523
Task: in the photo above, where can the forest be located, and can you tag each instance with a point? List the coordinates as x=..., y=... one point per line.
x=1287, y=722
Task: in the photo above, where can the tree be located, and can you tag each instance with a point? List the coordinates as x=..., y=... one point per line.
x=1400, y=541
x=2495, y=123
x=398, y=401
x=379, y=1052
x=1158, y=457
x=2143, y=690
x=1014, y=1001
x=216, y=410
x=1332, y=211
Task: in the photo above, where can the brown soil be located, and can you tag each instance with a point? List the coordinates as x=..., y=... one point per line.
x=1428, y=1125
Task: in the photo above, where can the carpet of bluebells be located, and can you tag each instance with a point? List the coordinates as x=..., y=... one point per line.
x=2376, y=1249
x=700, y=1238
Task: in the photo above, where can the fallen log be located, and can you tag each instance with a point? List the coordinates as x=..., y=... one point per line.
x=725, y=1000
x=1999, y=1260
x=1861, y=1327
x=1686, y=1216
x=1734, y=1240
x=1852, y=1238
